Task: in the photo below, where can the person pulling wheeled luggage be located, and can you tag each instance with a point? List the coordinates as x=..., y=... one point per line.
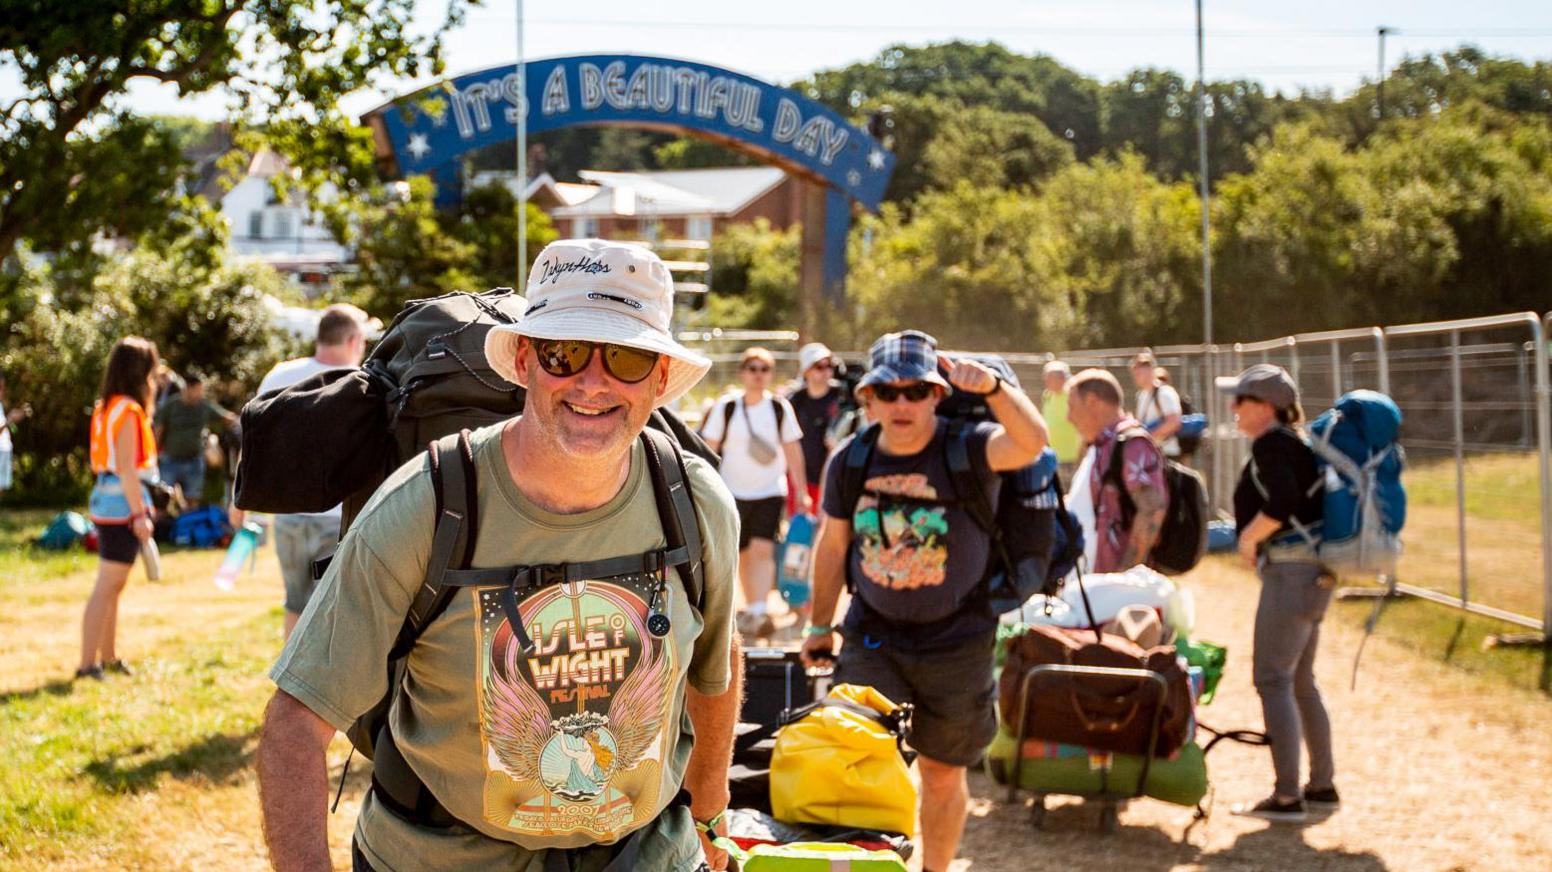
x=919, y=629
x=1277, y=502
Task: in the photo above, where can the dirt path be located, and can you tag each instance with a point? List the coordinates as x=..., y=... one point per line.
x=1439, y=770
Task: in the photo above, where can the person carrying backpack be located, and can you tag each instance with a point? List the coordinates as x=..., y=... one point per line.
x=539, y=721
x=918, y=628
x=1278, y=500
x=1128, y=471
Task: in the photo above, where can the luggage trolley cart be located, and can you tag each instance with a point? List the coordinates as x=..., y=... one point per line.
x=1050, y=675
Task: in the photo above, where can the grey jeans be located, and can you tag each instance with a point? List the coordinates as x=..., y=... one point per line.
x=1294, y=597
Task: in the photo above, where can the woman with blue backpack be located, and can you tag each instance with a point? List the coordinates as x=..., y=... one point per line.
x=1277, y=504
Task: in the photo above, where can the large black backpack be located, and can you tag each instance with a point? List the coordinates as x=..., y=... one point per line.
x=332, y=438
x=1183, y=536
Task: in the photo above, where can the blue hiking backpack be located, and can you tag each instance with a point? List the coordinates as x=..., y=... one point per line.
x=1360, y=461
x=65, y=531
x=201, y=528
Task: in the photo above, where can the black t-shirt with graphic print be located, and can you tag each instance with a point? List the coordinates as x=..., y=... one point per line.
x=917, y=557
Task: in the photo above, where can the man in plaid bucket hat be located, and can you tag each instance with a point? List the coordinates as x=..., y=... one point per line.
x=572, y=698
x=917, y=629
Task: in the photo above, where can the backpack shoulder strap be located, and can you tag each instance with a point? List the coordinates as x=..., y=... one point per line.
x=728, y=408
x=780, y=404
x=854, y=469
x=676, y=509
x=967, y=485
x=453, y=481
x=1113, y=474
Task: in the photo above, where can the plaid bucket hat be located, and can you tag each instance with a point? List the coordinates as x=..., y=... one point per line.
x=909, y=355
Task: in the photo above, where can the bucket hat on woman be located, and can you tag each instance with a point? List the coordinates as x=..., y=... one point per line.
x=595, y=290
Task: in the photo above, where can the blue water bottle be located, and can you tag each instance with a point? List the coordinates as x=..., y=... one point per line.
x=241, y=551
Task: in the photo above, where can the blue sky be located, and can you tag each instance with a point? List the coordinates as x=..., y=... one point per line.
x=1285, y=45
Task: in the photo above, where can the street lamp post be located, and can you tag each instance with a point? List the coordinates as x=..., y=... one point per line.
x=1383, y=32
x=522, y=157
x=1206, y=194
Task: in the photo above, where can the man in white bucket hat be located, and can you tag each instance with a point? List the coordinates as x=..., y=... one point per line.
x=540, y=723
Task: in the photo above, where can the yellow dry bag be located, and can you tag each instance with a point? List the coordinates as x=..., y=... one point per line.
x=840, y=761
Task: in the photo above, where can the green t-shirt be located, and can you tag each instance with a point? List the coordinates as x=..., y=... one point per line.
x=184, y=426
x=501, y=739
x=1064, y=439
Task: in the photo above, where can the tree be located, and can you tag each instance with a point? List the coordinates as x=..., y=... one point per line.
x=74, y=163
x=406, y=248
x=992, y=148
x=754, y=278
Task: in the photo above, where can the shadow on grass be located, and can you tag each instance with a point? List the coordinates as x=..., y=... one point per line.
x=216, y=758
x=57, y=687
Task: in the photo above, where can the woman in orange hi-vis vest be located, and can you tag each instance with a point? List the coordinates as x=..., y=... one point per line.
x=123, y=452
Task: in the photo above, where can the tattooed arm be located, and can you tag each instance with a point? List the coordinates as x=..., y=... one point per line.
x=1145, y=525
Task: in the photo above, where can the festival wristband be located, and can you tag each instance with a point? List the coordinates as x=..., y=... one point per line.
x=709, y=827
x=818, y=630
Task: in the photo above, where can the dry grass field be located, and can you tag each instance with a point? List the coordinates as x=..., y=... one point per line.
x=1443, y=766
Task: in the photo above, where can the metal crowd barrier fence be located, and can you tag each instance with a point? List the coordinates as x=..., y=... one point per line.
x=1477, y=428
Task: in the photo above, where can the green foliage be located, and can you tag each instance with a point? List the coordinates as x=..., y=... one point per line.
x=1097, y=254
x=72, y=165
x=754, y=278
x=201, y=317
x=992, y=148
x=407, y=249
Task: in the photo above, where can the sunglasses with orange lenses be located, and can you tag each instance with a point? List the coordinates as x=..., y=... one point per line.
x=563, y=358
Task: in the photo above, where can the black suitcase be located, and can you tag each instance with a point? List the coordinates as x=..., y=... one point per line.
x=774, y=681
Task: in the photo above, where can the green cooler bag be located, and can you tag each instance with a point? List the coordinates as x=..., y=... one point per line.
x=1067, y=769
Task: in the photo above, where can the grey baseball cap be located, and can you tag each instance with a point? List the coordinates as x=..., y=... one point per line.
x=1265, y=382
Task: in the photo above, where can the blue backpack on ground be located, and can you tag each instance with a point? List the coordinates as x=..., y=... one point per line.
x=201, y=528
x=65, y=531
x=1360, y=461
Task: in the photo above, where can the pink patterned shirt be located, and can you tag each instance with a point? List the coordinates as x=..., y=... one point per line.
x=1143, y=470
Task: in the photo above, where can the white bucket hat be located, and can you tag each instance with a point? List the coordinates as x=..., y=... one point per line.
x=600, y=291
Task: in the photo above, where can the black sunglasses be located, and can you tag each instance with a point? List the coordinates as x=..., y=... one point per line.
x=915, y=392
x=567, y=357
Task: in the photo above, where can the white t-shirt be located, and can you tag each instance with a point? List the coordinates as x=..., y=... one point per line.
x=284, y=375
x=747, y=479
x=1149, y=412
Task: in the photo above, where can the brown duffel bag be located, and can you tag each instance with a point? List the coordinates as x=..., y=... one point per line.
x=1109, y=713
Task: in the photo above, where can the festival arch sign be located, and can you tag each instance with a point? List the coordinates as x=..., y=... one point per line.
x=427, y=132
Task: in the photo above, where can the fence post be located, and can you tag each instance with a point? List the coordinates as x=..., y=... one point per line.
x=1382, y=355
x=1544, y=448
x=1460, y=458
x=1336, y=369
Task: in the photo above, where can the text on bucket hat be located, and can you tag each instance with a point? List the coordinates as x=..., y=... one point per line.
x=600, y=291
x=909, y=355
x=1264, y=381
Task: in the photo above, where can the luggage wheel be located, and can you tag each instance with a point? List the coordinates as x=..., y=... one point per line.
x=1109, y=818
x=1037, y=812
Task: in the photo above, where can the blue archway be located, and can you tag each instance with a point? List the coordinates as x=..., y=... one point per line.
x=427, y=132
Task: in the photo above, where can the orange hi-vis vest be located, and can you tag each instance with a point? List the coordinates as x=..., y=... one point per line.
x=108, y=420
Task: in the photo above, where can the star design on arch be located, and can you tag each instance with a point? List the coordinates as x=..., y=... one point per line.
x=418, y=147
x=853, y=178
x=876, y=159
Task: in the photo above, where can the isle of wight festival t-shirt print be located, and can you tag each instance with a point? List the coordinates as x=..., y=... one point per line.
x=573, y=733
